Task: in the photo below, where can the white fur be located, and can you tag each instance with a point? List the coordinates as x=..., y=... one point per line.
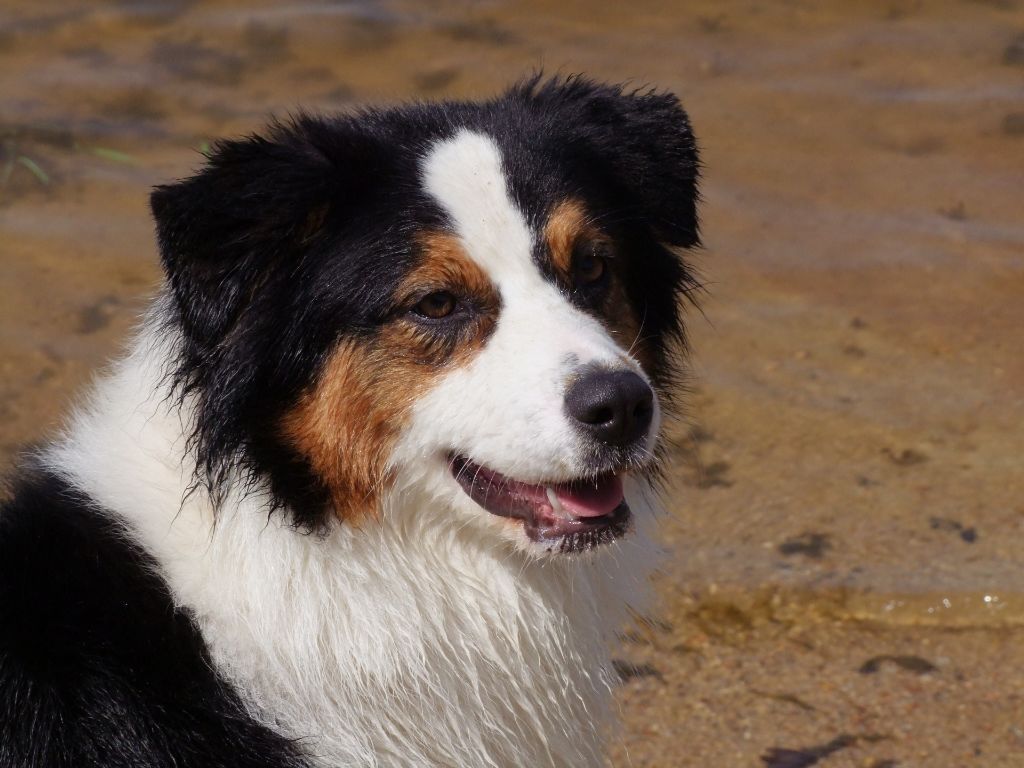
x=423, y=639
x=516, y=386
x=505, y=408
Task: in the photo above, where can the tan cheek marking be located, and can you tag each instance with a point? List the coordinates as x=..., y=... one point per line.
x=567, y=225
x=347, y=424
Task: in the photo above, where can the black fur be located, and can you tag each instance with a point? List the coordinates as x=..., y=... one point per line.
x=277, y=248
x=270, y=252
x=97, y=668
x=283, y=243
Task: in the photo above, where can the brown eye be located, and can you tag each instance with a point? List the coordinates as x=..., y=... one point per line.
x=436, y=306
x=589, y=265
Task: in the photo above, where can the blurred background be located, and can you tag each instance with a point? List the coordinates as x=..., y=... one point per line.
x=845, y=578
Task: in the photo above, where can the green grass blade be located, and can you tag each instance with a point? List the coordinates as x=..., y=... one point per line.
x=41, y=176
x=113, y=155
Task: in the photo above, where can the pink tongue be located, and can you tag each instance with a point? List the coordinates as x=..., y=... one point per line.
x=590, y=500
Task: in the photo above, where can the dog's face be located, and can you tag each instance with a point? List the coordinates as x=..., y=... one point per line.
x=475, y=303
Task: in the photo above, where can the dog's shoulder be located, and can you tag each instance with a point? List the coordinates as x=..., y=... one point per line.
x=97, y=666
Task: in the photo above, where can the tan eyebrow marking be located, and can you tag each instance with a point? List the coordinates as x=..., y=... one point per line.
x=568, y=224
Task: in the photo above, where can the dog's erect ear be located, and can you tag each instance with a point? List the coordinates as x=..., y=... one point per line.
x=645, y=135
x=257, y=201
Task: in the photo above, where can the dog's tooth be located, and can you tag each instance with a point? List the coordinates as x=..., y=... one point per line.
x=556, y=505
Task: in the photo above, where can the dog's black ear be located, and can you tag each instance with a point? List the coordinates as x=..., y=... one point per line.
x=647, y=138
x=223, y=232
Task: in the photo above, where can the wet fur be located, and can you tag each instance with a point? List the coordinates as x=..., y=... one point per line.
x=245, y=548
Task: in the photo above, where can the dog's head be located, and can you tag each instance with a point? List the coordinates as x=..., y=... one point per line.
x=475, y=301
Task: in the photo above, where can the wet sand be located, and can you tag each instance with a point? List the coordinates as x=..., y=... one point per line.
x=843, y=575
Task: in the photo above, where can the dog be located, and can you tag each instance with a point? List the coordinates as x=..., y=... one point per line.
x=374, y=483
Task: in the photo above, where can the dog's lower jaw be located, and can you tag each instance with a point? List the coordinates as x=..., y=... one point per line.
x=597, y=511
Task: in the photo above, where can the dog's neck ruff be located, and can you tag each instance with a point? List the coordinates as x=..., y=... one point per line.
x=404, y=641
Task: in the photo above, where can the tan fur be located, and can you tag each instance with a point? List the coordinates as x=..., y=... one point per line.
x=567, y=224
x=570, y=224
x=346, y=424
x=447, y=266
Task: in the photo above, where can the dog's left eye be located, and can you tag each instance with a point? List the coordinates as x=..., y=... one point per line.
x=589, y=264
x=436, y=306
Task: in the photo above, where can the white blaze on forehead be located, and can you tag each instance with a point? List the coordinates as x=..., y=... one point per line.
x=464, y=174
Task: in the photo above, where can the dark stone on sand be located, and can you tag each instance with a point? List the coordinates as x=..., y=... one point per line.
x=97, y=317
x=914, y=664
x=713, y=475
x=1013, y=124
x=1014, y=53
x=780, y=757
x=957, y=212
x=968, y=534
x=812, y=545
x=908, y=457
x=627, y=670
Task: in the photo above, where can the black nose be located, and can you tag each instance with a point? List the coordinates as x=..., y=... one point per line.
x=615, y=407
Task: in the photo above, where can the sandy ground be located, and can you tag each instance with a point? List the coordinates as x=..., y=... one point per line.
x=843, y=580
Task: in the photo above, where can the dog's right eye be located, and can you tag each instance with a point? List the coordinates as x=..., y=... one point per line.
x=436, y=306
x=589, y=266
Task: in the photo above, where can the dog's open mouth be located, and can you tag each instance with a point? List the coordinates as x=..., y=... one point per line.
x=576, y=515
